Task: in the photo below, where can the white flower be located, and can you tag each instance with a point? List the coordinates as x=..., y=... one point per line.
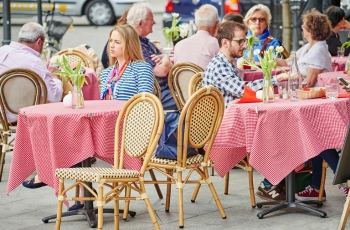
x=257, y=52
x=279, y=49
x=240, y=63
x=175, y=15
x=184, y=29
x=271, y=48
x=252, y=28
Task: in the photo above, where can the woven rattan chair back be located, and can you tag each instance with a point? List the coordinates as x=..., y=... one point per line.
x=199, y=121
x=195, y=83
x=179, y=80
x=141, y=119
x=74, y=55
x=19, y=88
x=156, y=90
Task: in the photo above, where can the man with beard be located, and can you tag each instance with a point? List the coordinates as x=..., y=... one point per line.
x=220, y=71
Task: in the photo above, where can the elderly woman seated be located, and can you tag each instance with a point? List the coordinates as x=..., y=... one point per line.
x=258, y=18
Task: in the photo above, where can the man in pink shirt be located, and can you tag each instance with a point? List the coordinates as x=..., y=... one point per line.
x=26, y=54
x=203, y=46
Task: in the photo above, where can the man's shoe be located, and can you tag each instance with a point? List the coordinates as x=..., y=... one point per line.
x=30, y=184
x=76, y=206
x=345, y=190
x=271, y=193
x=92, y=160
x=309, y=194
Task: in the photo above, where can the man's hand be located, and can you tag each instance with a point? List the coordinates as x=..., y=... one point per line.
x=53, y=68
x=157, y=59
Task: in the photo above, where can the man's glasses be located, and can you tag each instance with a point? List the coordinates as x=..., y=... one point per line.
x=256, y=19
x=240, y=42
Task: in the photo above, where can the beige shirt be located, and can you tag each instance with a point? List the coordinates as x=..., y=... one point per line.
x=199, y=49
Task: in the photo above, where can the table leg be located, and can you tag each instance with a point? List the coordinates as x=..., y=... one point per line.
x=89, y=211
x=290, y=201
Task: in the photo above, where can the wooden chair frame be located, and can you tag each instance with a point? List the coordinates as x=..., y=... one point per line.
x=206, y=104
x=143, y=116
x=174, y=79
x=73, y=55
x=8, y=103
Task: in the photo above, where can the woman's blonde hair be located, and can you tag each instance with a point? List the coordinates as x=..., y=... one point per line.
x=262, y=8
x=130, y=42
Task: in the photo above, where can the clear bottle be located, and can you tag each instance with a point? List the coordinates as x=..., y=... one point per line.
x=294, y=78
x=190, y=32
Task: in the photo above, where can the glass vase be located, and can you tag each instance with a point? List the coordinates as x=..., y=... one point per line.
x=169, y=43
x=77, y=98
x=268, y=95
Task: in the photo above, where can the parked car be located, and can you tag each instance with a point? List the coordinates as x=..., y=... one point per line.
x=98, y=12
x=186, y=9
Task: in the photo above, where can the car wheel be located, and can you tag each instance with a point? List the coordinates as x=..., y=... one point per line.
x=100, y=12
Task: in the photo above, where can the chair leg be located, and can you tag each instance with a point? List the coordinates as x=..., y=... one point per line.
x=196, y=190
x=2, y=162
x=344, y=216
x=116, y=214
x=149, y=206
x=100, y=205
x=212, y=170
x=323, y=180
x=159, y=192
x=59, y=204
x=249, y=169
x=168, y=190
x=226, y=181
x=215, y=195
x=127, y=203
x=179, y=186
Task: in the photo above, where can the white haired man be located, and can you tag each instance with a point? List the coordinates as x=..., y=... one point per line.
x=141, y=18
x=201, y=47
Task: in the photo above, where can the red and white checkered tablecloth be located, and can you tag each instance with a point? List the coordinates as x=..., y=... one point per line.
x=52, y=136
x=338, y=63
x=280, y=136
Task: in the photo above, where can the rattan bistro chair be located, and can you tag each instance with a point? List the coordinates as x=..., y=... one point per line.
x=19, y=88
x=196, y=84
x=74, y=55
x=179, y=80
x=198, y=125
x=140, y=123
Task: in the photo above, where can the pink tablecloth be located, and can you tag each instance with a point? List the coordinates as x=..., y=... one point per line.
x=52, y=136
x=330, y=77
x=279, y=136
x=91, y=90
x=338, y=64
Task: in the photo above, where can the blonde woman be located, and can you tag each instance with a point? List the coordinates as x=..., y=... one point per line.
x=259, y=17
x=129, y=73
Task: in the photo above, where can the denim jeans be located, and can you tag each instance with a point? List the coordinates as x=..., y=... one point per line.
x=331, y=156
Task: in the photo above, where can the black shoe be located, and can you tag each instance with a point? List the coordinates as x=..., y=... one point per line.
x=76, y=206
x=30, y=184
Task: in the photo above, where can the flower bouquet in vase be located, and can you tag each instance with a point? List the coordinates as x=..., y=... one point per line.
x=347, y=65
x=267, y=64
x=251, y=39
x=175, y=31
x=77, y=78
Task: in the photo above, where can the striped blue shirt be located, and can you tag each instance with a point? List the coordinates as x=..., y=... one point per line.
x=138, y=77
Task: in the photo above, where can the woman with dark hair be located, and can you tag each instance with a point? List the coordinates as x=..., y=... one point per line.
x=235, y=17
x=337, y=17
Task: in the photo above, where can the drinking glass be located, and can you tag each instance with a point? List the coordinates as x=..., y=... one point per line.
x=340, y=52
x=332, y=91
x=283, y=90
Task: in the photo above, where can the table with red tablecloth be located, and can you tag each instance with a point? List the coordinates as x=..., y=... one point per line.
x=279, y=136
x=331, y=77
x=51, y=136
x=338, y=63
